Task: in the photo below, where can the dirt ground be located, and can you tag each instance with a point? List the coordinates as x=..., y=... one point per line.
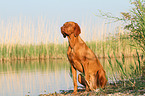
x=120, y=88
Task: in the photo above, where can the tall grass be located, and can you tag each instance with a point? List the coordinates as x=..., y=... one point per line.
x=52, y=50
x=130, y=75
x=28, y=39
x=117, y=44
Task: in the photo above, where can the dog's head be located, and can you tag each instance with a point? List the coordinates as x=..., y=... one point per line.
x=70, y=28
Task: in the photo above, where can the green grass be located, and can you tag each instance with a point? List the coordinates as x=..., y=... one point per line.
x=42, y=51
x=111, y=45
x=131, y=75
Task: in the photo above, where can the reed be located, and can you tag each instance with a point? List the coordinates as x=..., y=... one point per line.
x=51, y=50
x=129, y=75
x=28, y=39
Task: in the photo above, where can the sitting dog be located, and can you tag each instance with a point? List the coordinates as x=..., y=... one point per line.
x=83, y=59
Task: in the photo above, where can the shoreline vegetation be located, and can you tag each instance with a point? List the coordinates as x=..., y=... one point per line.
x=24, y=38
x=58, y=54
x=113, y=44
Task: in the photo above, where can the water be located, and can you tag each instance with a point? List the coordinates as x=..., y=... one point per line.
x=20, y=78
x=33, y=78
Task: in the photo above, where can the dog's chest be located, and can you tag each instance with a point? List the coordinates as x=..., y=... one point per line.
x=75, y=60
x=72, y=55
x=76, y=54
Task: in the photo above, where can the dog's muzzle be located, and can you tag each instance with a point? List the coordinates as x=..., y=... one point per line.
x=63, y=32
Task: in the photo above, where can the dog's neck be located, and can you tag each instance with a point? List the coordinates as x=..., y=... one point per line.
x=73, y=41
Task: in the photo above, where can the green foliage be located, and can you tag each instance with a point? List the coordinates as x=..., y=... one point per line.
x=134, y=21
x=127, y=74
x=136, y=70
x=112, y=44
x=111, y=65
x=120, y=64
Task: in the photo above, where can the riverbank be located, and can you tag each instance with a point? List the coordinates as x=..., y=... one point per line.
x=42, y=58
x=118, y=88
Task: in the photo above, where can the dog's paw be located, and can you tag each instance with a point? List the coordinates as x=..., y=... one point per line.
x=75, y=92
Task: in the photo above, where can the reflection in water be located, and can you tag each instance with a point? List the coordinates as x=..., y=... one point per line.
x=22, y=78
x=35, y=77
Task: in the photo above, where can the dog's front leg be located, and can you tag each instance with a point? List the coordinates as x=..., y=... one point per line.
x=87, y=78
x=74, y=73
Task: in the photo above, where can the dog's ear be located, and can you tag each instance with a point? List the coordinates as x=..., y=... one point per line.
x=77, y=30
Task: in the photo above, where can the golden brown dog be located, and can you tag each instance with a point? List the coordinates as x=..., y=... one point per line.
x=83, y=59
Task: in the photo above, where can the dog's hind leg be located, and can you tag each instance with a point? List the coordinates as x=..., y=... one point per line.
x=102, y=78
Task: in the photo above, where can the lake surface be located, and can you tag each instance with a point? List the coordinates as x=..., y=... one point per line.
x=20, y=78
